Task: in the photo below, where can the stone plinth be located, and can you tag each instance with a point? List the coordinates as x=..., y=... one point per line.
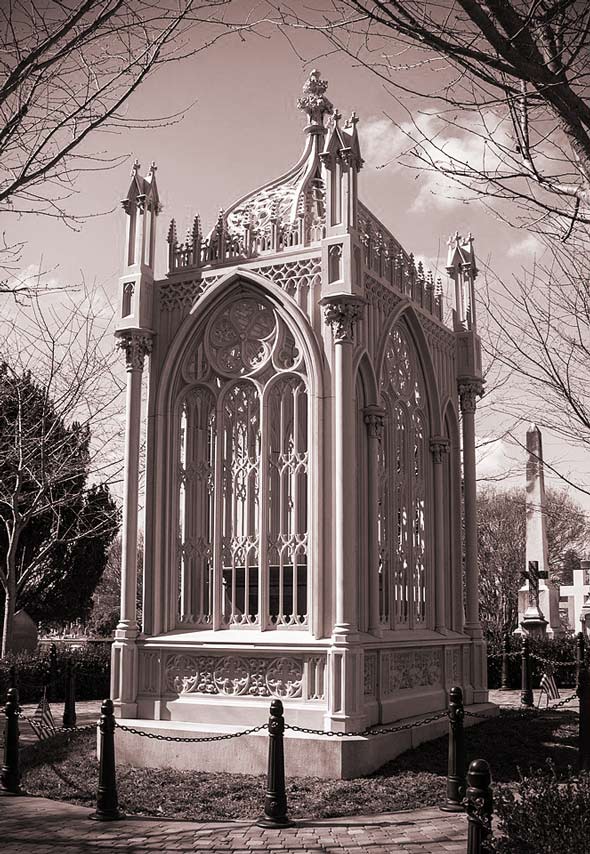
x=330, y=758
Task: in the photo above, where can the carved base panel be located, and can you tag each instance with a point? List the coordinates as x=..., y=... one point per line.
x=409, y=682
x=230, y=687
x=331, y=689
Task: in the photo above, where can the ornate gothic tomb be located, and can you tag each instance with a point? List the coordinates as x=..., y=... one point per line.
x=303, y=473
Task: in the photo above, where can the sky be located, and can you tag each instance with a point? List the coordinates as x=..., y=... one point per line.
x=242, y=129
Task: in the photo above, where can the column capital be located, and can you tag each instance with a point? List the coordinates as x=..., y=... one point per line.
x=341, y=312
x=374, y=417
x=469, y=391
x=439, y=446
x=136, y=346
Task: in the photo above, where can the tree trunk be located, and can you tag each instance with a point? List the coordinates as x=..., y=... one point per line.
x=8, y=627
x=10, y=597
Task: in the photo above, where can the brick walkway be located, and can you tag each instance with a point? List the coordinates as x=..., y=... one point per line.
x=49, y=827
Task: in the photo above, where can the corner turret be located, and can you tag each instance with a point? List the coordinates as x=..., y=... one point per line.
x=142, y=206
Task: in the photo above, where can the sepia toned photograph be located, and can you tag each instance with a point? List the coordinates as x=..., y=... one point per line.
x=294, y=424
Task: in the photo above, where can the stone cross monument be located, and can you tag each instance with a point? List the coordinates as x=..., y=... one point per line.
x=538, y=598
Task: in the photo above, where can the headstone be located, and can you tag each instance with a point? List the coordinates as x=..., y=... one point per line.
x=25, y=637
x=538, y=597
x=585, y=609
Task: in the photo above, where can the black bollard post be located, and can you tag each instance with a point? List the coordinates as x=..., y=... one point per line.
x=69, y=716
x=12, y=677
x=275, y=802
x=107, y=806
x=580, y=654
x=526, y=697
x=456, y=766
x=505, y=678
x=480, y=805
x=583, y=692
x=10, y=774
x=53, y=675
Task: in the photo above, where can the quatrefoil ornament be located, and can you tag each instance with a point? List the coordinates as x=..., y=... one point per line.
x=241, y=337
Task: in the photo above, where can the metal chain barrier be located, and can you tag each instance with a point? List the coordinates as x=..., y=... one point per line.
x=551, y=662
x=24, y=683
x=561, y=703
x=524, y=711
x=185, y=740
x=369, y=730
x=59, y=729
x=482, y=715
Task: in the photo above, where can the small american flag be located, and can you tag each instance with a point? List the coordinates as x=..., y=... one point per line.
x=42, y=722
x=549, y=687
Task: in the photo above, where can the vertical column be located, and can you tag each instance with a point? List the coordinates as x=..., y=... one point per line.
x=136, y=346
x=468, y=393
x=374, y=416
x=341, y=313
x=439, y=446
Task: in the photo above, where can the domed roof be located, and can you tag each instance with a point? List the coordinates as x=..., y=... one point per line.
x=299, y=193
x=286, y=212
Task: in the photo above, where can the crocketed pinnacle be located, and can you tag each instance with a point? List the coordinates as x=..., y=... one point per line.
x=314, y=101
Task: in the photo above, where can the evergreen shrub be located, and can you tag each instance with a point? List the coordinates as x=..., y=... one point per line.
x=92, y=662
x=543, y=814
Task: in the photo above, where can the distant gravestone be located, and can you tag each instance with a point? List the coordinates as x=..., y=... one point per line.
x=25, y=635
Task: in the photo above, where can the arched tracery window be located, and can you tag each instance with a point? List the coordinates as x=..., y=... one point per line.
x=243, y=461
x=403, y=479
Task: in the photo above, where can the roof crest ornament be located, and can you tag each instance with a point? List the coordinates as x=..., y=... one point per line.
x=314, y=101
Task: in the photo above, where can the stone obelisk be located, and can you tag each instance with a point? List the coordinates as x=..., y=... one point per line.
x=538, y=598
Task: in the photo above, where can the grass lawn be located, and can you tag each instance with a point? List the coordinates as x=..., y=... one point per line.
x=65, y=768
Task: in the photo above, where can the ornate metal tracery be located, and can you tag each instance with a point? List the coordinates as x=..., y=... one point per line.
x=243, y=473
x=402, y=486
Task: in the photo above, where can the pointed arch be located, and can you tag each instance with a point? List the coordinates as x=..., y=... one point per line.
x=244, y=589
x=406, y=313
x=364, y=372
x=409, y=395
x=367, y=395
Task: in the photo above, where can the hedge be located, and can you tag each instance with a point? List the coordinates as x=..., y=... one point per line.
x=557, y=650
x=92, y=662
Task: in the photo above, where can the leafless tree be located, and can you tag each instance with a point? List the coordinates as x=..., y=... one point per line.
x=502, y=546
x=494, y=96
x=68, y=70
x=513, y=73
x=541, y=326
x=59, y=389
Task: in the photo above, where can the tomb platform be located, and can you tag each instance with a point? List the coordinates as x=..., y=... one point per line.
x=306, y=755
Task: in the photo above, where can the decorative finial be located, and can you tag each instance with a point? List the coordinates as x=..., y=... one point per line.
x=352, y=121
x=153, y=168
x=135, y=168
x=172, y=237
x=314, y=101
x=336, y=116
x=196, y=227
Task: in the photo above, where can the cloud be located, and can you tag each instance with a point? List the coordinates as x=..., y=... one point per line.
x=441, y=147
x=382, y=143
x=494, y=460
x=528, y=246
